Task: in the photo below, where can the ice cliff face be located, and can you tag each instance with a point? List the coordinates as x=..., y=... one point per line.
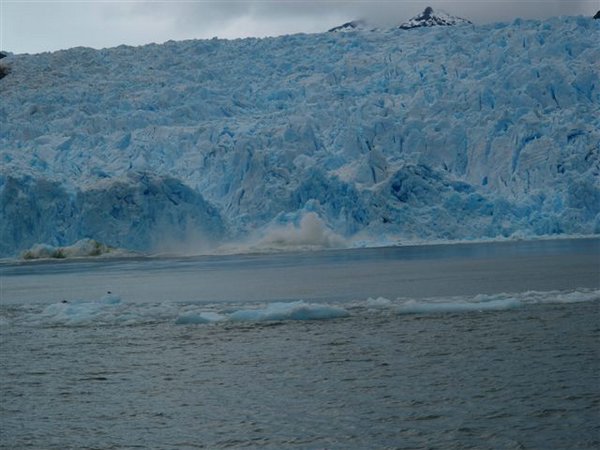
x=135, y=211
x=432, y=133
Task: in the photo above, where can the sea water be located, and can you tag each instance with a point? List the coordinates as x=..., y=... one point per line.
x=459, y=346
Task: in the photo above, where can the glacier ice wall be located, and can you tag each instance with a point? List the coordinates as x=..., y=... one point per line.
x=441, y=133
x=136, y=212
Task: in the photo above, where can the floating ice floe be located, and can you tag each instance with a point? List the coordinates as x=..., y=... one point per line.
x=81, y=312
x=277, y=311
x=290, y=311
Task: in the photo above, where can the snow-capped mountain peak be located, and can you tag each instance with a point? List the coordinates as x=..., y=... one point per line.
x=431, y=18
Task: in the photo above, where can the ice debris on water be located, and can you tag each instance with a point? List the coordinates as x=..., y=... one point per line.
x=82, y=312
x=290, y=311
x=110, y=309
x=416, y=307
x=483, y=302
x=276, y=311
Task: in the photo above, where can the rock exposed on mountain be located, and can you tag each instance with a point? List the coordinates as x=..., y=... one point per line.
x=431, y=18
x=354, y=25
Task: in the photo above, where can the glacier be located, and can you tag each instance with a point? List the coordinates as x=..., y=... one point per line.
x=441, y=133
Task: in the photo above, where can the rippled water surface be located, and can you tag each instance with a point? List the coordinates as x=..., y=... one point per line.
x=384, y=367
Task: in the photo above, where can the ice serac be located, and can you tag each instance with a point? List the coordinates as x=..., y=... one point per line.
x=448, y=132
x=137, y=212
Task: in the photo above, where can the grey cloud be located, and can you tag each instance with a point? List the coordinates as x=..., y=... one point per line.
x=37, y=26
x=488, y=9
x=310, y=15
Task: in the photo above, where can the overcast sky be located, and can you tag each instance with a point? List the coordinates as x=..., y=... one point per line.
x=32, y=26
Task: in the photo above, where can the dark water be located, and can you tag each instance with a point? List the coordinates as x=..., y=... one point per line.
x=509, y=369
x=340, y=275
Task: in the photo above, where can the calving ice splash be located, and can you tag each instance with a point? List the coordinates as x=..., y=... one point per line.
x=112, y=310
x=456, y=132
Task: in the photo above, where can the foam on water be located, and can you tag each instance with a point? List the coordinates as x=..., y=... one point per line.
x=417, y=307
x=378, y=303
x=195, y=318
x=482, y=302
x=112, y=310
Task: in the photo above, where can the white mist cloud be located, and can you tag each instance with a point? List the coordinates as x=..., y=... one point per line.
x=311, y=232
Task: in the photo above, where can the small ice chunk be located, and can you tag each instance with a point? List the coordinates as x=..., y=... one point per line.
x=290, y=311
x=110, y=299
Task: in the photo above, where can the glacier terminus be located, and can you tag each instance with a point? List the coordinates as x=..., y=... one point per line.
x=314, y=140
